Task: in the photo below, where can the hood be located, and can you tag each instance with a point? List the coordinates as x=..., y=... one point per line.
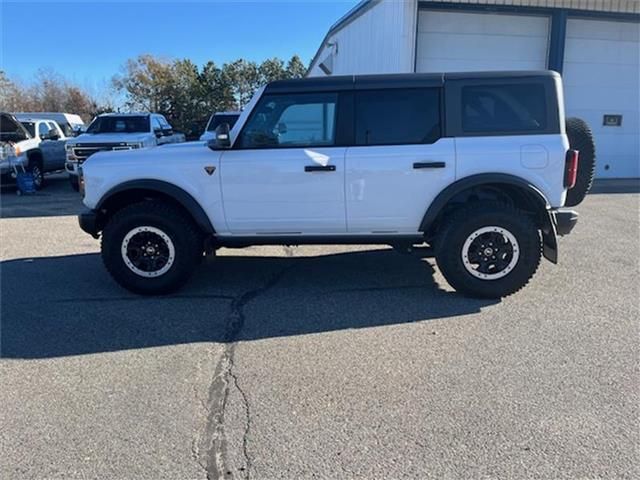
x=109, y=138
x=172, y=152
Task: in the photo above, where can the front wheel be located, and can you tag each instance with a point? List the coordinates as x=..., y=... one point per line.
x=151, y=247
x=489, y=250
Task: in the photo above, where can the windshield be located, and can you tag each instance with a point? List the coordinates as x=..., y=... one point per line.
x=229, y=118
x=124, y=124
x=10, y=130
x=31, y=128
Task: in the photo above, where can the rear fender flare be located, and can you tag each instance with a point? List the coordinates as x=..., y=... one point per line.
x=533, y=194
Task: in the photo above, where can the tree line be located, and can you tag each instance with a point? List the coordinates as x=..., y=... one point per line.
x=183, y=92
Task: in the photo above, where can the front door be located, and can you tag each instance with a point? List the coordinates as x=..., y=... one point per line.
x=285, y=173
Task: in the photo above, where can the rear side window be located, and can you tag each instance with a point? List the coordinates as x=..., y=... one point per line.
x=397, y=116
x=504, y=108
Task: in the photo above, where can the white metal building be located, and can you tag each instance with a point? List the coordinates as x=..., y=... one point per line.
x=595, y=44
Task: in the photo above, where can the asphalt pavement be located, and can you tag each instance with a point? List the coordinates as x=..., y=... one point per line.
x=316, y=362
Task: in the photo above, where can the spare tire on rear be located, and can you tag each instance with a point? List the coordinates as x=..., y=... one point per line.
x=581, y=139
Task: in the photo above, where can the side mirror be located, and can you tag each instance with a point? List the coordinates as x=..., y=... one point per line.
x=53, y=135
x=158, y=132
x=167, y=131
x=223, y=140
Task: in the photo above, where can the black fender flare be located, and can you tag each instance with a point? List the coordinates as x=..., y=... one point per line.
x=550, y=241
x=182, y=197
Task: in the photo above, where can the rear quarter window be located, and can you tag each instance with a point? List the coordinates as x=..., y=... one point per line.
x=504, y=108
x=478, y=107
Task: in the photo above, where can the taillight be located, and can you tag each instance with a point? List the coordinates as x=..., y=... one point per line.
x=571, y=169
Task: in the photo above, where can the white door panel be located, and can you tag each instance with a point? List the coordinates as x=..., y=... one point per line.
x=602, y=77
x=456, y=41
x=268, y=191
x=385, y=193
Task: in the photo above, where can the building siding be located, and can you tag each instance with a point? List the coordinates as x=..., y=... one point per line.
x=380, y=40
x=615, y=6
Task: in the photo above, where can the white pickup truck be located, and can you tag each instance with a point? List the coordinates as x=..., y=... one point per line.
x=118, y=131
x=18, y=148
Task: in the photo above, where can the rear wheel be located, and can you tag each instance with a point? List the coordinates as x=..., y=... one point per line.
x=151, y=247
x=489, y=250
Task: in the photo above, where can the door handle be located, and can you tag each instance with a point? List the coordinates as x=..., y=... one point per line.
x=429, y=165
x=320, y=168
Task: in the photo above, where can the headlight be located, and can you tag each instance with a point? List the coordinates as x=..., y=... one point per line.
x=70, y=155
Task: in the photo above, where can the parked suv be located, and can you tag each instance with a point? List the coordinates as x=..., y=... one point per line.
x=476, y=165
x=118, y=131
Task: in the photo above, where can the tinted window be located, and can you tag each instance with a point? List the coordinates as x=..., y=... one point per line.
x=504, y=108
x=402, y=116
x=294, y=120
x=216, y=120
x=127, y=124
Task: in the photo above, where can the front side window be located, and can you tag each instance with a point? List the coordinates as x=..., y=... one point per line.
x=504, y=108
x=397, y=116
x=43, y=129
x=291, y=120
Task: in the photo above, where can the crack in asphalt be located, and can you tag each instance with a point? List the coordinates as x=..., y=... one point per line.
x=213, y=440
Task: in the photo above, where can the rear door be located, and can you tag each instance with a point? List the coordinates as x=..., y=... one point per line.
x=400, y=160
x=285, y=173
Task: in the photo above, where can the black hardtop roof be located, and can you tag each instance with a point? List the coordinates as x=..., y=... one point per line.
x=392, y=80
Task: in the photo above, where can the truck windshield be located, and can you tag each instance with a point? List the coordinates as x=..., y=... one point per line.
x=124, y=124
x=10, y=130
x=31, y=128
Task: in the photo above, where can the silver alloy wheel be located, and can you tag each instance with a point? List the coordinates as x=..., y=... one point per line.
x=148, y=251
x=490, y=253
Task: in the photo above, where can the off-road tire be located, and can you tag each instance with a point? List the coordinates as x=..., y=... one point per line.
x=73, y=181
x=466, y=220
x=183, y=233
x=581, y=139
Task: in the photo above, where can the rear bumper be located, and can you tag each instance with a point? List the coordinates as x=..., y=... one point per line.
x=564, y=220
x=88, y=221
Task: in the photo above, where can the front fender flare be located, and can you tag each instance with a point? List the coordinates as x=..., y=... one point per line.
x=185, y=199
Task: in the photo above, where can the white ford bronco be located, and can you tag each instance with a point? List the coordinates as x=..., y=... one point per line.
x=477, y=166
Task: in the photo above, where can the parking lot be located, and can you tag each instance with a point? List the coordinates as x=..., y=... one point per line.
x=316, y=362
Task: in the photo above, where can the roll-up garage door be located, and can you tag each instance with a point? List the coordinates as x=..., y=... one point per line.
x=454, y=41
x=602, y=86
